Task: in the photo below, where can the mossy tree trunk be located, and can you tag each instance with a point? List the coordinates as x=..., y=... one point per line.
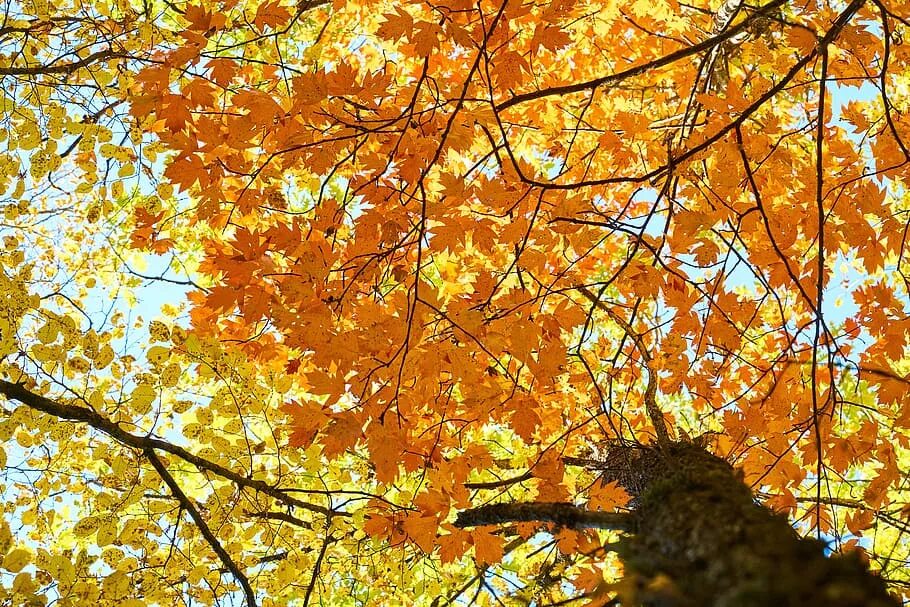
x=697, y=538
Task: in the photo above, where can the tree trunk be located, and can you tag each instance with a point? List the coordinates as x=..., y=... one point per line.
x=697, y=538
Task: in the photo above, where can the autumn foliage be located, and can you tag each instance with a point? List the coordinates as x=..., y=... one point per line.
x=287, y=286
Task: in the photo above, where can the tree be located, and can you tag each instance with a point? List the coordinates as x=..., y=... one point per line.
x=380, y=303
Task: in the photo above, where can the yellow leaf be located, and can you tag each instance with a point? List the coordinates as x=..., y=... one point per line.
x=86, y=526
x=16, y=560
x=158, y=354
x=48, y=333
x=142, y=398
x=116, y=586
x=107, y=533
x=104, y=357
x=65, y=572
x=6, y=537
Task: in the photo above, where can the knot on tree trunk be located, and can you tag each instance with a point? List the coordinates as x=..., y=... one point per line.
x=635, y=467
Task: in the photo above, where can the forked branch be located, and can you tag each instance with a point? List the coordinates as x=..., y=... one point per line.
x=654, y=412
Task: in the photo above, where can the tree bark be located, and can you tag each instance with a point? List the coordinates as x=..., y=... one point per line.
x=698, y=538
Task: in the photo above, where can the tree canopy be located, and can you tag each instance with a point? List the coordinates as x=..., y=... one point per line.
x=286, y=287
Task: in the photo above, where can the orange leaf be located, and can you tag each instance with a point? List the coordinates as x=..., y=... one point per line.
x=385, y=451
x=421, y=530
x=859, y=520
x=453, y=545
x=487, y=547
x=607, y=496
x=271, y=14
x=396, y=24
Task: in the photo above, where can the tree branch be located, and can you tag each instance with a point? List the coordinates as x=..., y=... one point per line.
x=645, y=67
x=281, y=516
x=654, y=411
x=503, y=482
x=565, y=515
x=94, y=419
x=203, y=527
x=64, y=68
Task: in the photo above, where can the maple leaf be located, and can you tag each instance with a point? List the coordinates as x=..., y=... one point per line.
x=607, y=496
x=453, y=544
x=343, y=432
x=396, y=25
x=200, y=19
x=859, y=521
x=508, y=70
x=567, y=541
x=421, y=530
x=425, y=37
x=488, y=548
x=588, y=578
x=525, y=422
x=550, y=37
x=308, y=419
x=161, y=245
x=271, y=14
x=262, y=107
x=176, y=109
x=292, y=366
x=385, y=450
x=222, y=298
x=200, y=93
x=145, y=230
x=223, y=70
x=186, y=170
x=378, y=526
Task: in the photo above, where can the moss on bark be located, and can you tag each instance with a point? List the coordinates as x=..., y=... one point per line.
x=700, y=533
